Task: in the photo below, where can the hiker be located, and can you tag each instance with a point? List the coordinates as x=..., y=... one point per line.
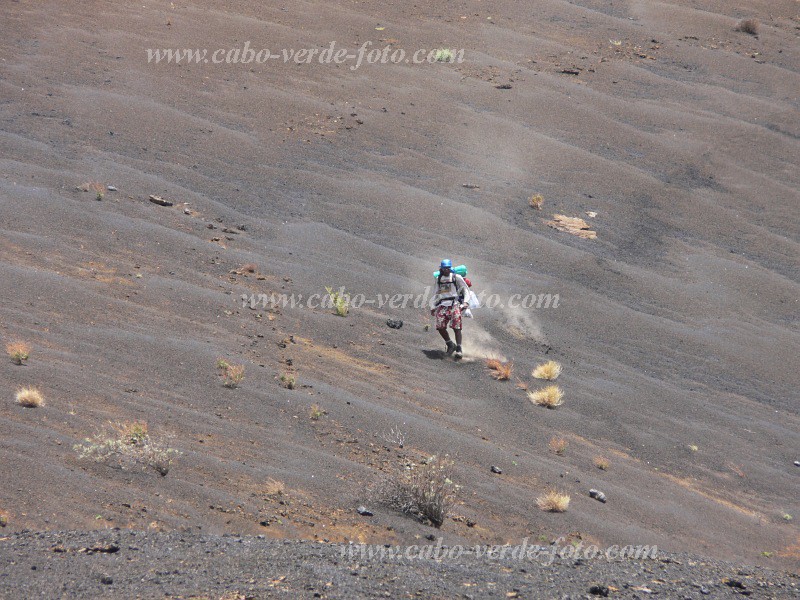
x=451, y=295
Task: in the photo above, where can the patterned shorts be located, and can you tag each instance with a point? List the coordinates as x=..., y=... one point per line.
x=451, y=314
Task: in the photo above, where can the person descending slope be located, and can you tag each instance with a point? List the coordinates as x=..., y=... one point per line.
x=451, y=296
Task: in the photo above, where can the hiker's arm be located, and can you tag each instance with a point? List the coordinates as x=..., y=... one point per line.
x=463, y=290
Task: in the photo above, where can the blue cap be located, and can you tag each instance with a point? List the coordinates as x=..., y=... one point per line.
x=446, y=264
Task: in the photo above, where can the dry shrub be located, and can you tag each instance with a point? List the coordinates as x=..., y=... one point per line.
x=536, y=201
x=553, y=501
x=247, y=268
x=273, y=487
x=549, y=370
x=3, y=518
x=316, y=412
x=97, y=188
x=500, y=370
x=558, y=445
x=232, y=375
x=288, y=381
x=18, y=352
x=522, y=385
x=29, y=397
x=425, y=490
x=128, y=444
x=601, y=462
x=550, y=396
x=748, y=26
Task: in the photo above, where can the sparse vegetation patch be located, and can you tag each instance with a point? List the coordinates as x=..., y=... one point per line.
x=232, y=375
x=18, y=352
x=558, y=445
x=128, y=444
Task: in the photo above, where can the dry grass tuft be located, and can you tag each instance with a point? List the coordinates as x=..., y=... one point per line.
x=288, y=381
x=536, y=201
x=30, y=397
x=521, y=385
x=748, y=26
x=558, y=445
x=18, y=351
x=273, y=487
x=232, y=375
x=550, y=396
x=549, y=370
x=3, y=518
x=500, y=370
x=553, y=501
x=601, y=462
x=316, y=412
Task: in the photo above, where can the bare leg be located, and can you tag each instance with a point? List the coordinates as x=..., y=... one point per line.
x=458, y=336
x=444, y=334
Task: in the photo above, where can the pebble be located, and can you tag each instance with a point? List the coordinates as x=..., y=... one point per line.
x=364, y=512
x=497, y=470
x=394, y=323
x=797, y=463
x=111, y=188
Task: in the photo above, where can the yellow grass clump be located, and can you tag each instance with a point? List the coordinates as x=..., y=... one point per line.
x=550, y=396
x=553, y=501
x=549, y=370
x=601, y=462
x=18, y=351
x=29, y=397
x=500, y=370
x=536, y=201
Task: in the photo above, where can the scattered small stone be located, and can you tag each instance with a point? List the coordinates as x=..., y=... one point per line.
x=571, y=72
x=497, y=470
x=598, y=495
x=364, y=512
x=503, y=86
x=470, y=186
x=734, y=583
x=106, y=580
x=111, y=188
x=241, y=227
x=186, y=211
x=599, y=590
x=394, y=323
x=160, y=201
x=797, y=463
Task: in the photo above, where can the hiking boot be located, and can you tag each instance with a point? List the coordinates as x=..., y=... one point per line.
x=450, y=347
x=459, y=352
